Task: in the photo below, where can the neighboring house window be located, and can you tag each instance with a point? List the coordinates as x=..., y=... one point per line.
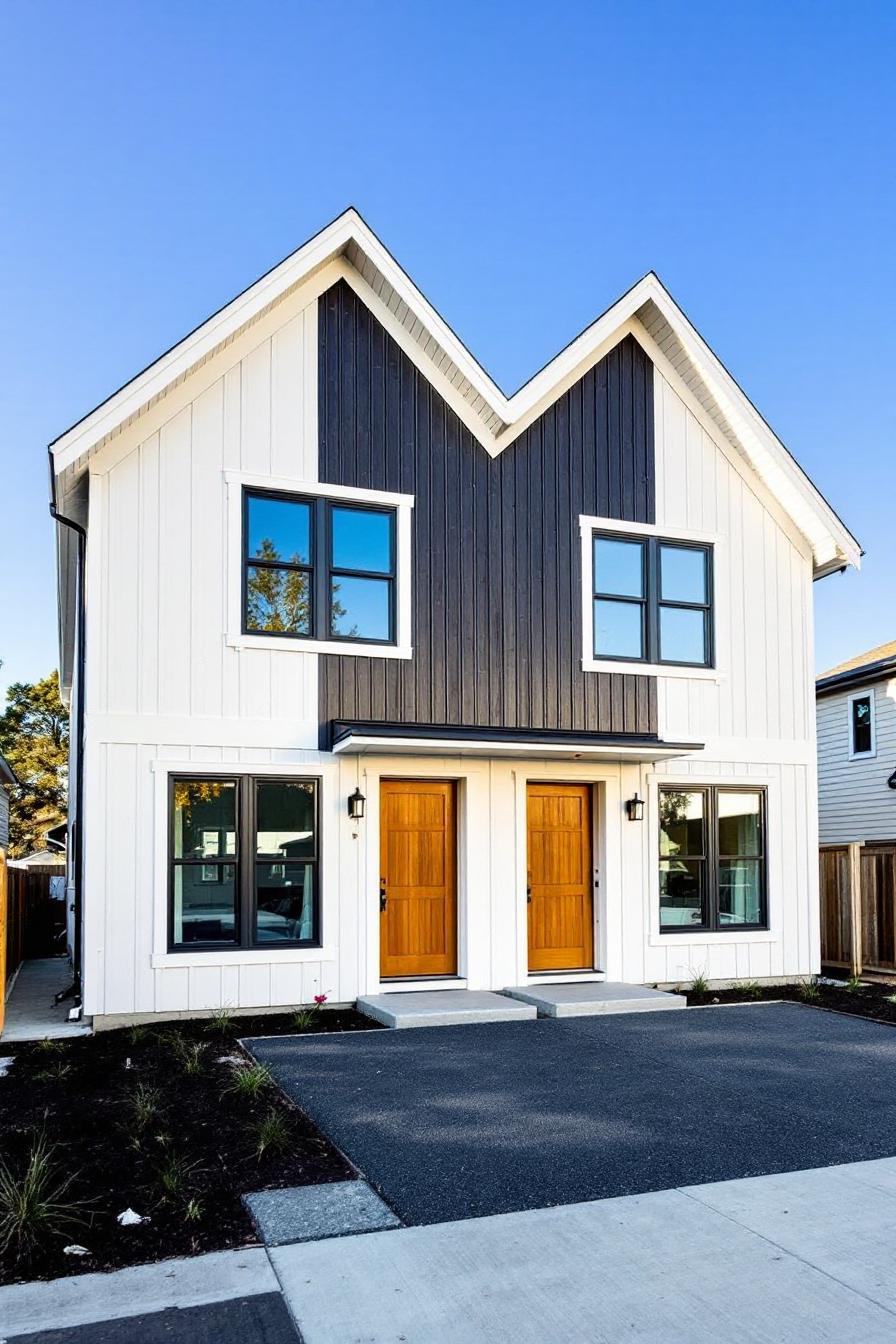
x=652, y=600
x=244, y=863
x=320, y=569
x=712, y=859
x=861, y=725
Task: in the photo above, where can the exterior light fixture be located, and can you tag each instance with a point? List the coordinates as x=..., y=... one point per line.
x=635, y=808
x=356, y=803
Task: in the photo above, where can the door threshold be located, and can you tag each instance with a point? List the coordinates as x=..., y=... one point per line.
x=564, y=977
x=418, y=983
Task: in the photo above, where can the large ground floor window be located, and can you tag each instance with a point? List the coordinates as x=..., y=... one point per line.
x=712, y=859
x=244, y=854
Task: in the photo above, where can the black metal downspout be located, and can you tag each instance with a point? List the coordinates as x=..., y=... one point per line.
x=78, y=828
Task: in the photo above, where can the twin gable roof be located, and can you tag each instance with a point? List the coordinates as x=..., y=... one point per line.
x=494, y=418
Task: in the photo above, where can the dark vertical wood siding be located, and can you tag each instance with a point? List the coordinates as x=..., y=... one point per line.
x=497, y=576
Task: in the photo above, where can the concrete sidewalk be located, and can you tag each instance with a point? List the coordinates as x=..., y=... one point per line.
x=766, y=1260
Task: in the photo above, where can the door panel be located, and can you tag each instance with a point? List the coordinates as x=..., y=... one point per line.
x=560, y=877
x=418, y=927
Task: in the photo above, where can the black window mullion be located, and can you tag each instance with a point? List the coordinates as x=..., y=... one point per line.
x=652, y=650
x=712, y=861
x=320, y=557
x=245, y=832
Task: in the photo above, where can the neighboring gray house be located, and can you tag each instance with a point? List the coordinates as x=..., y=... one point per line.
x=856, y=718
x=7, y=782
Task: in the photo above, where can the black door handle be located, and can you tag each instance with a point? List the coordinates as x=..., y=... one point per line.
x=383, y=897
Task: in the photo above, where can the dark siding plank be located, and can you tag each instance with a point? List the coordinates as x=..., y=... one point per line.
x=497, y=595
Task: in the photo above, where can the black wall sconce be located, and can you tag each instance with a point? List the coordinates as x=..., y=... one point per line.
x=356, y=803
x=635, y=808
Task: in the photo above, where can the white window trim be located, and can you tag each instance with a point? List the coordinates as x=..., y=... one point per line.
x=588, y=525
x=161, y=956
x=711, y=937
x=871, y=698
x=402, y=504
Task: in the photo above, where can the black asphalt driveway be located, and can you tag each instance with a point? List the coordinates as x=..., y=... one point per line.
x=458, y=1122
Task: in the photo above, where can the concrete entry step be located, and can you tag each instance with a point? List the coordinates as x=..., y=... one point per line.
x=443, y=1008
x=586, y=1000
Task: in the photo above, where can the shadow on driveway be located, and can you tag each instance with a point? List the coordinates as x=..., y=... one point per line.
x=461, y=1122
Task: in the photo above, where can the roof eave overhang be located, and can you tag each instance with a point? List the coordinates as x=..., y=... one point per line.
x=404, y=741
x=884, y=670
x=500, y=419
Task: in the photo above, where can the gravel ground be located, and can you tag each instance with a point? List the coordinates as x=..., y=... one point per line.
x=460, y=1122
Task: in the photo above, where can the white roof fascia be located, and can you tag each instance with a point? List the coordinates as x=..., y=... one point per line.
x=831, y=541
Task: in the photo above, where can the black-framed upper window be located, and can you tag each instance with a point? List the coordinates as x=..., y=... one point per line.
x=316, y=568
x=652, y=600
x=861, y=724
x=244, y=857
x=712, y=859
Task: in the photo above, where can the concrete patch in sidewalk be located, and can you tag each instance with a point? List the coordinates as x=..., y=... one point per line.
x=315, y=1212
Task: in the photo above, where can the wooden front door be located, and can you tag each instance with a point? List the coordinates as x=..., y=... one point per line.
x=418, y=899
x=560, y=877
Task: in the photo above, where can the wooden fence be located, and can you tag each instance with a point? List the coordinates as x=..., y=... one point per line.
x=35, y=924
x=858, y=907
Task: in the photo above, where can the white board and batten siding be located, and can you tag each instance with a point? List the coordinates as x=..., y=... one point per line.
x=168, y=687
x=755, y=714
x=171, y=687
x=854, y=800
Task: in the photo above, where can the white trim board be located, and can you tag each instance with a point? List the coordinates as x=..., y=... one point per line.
x=496, y=419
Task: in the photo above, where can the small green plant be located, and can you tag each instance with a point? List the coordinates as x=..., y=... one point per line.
x=193, y=1210
x=48, y=1046
x=271, y=1134
x=808, y=991
x=54, y=1073
x=752, y=989
x=190, y=1055
x=305, y=1017
x=699, y=985
x=137, y=1033
x=35, y=1204
x=174, y=1174
x=853, y=984
x=193, y=1058
x=144, y=1106
x=249, y=1081
x=220, y=1021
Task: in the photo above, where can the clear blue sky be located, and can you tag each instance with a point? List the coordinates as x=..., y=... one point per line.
x=524, y=162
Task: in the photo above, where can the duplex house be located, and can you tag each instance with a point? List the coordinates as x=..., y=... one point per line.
x=384, y=678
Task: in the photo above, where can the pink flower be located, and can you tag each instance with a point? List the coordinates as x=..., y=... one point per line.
x=320, y=999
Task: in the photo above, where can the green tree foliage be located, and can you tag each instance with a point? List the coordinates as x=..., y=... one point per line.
x=280, y=598
x=277, y=599
x=34, y=739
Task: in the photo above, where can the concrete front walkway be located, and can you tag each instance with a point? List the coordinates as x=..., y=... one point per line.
x=31, y=1014
x=782, y=1259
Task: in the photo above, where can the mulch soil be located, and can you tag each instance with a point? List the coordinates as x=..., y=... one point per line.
x=80, y=1094
x=185, y=1161
x=865, y=1000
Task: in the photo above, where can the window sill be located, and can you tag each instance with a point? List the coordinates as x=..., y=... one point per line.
x=717, y=936
x=255, y=956
x=652, y=669
x=352, y=650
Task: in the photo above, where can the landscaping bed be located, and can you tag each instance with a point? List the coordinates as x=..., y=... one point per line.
x=173, y=1121
x=862, y=999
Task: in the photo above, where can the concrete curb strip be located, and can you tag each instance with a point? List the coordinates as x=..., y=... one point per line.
x=28, y=1307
